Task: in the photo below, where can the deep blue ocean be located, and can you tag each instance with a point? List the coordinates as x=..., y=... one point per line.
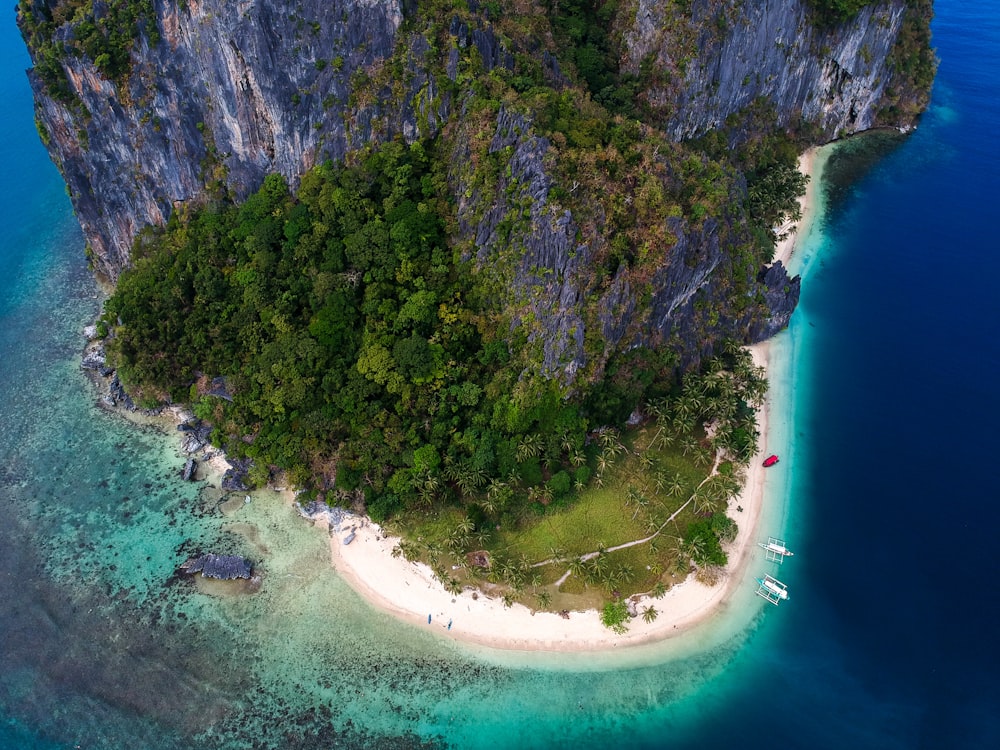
x=890, y=639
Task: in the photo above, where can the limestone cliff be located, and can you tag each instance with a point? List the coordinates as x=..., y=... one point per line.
x=217, y=94
x=231, y=91
x=724, y=54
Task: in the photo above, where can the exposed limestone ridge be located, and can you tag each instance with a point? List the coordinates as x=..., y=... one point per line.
x=232, y=91
x=531, y=244
x=727, y=53
x=541, y=261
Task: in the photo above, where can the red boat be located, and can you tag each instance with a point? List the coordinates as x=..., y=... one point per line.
x=770, y=460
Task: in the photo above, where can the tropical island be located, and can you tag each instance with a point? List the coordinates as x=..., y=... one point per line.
x=484, y=275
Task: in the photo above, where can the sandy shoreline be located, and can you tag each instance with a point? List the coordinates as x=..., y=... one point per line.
x=410, y=592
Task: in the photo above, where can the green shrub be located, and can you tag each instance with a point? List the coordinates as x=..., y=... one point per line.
x=615, y=616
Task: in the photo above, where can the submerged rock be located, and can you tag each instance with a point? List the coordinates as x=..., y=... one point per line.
x=223, y=567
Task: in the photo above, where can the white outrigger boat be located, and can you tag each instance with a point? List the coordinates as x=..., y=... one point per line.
x=772, y=589
x=775, y=550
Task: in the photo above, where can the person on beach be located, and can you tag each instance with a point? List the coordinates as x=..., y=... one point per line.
x=449, y=624
x=428, y=619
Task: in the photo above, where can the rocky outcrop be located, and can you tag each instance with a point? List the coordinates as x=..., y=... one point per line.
x=237, y=476
x=224, y=93
x=543, y=261
x=232, y=91
x=725, y=54
x=539, y=260
x=221, y=567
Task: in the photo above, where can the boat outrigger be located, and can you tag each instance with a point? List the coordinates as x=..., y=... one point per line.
x=775, y=550
x=772, y=589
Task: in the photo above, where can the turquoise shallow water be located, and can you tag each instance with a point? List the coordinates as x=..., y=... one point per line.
x=101, y=647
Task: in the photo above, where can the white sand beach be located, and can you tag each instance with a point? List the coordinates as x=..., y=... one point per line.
x=409, y=590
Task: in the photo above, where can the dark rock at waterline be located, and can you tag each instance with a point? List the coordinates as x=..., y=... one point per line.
x=190, y=467
x=192, y=444
x=116, y=395
x=781, y=294
x=197, y=434
x=235, y=479
x=94, y=359
x=223, y=567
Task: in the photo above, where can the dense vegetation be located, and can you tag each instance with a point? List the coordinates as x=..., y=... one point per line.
x=364, y=356
x=657, y=506
x=355, y=345
x=350, y=337
x=583, y=31
x=829, y=12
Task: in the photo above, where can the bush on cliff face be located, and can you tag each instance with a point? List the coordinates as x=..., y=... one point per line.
x=830, y=12
x=105, y=34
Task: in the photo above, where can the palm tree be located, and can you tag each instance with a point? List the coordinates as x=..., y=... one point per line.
x=659, y=590
x=689, y=444
x=469, y=478
x=608, y=438
x=649, y=614
x=631, y=495
x=603, y=463
x=495, y=487
x=704, y=500
x=567, y=443
x=488, y=503
x=684, y=421
x=624, y=574
x=452, y=470
x=676, y=486
x=529, y=447
x=703, y=456
x=694, y=548
x=578, y=568
x=614, y=449
x=597, y=566
x=544, y=599
x=660, y=481
x=482, y=536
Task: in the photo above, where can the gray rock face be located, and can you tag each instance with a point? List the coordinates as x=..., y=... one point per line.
x=533, y=248
x=537, y=255
x=729, y=52
x=233, y=91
